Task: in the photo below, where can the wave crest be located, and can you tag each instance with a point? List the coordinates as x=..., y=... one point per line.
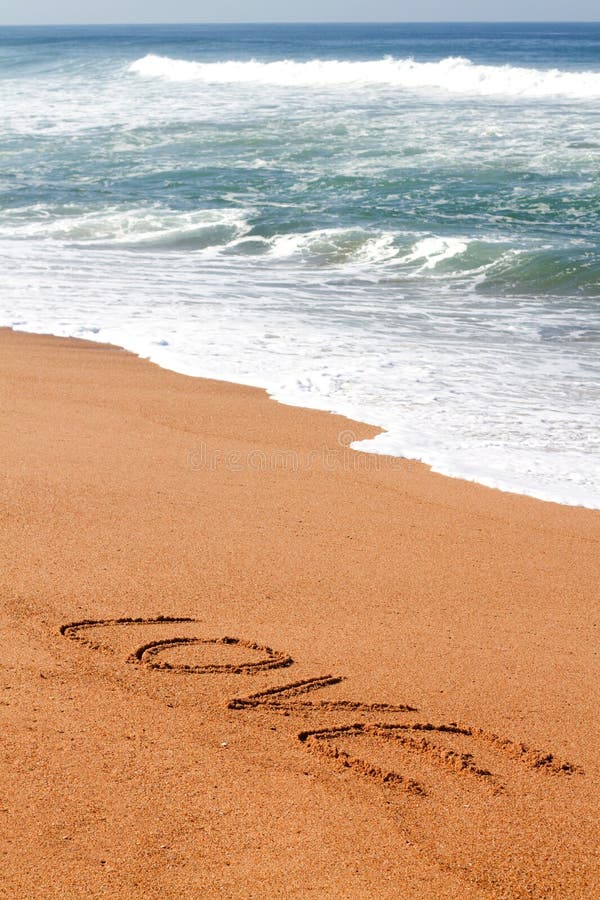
x=146, y=228
x=453, y=74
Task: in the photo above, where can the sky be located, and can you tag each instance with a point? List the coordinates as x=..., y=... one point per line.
x=44, y=12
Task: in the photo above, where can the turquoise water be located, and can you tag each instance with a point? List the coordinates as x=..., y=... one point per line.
x=399, y=223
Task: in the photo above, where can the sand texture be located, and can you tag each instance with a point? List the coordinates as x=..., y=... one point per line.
x=240, y=660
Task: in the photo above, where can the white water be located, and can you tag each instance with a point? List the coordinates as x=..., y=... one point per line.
x=449, y=388
x=455, y=75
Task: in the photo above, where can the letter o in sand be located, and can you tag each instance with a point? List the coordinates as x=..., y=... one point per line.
x=152, y=656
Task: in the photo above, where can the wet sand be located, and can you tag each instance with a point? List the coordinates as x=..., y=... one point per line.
x=441, y=739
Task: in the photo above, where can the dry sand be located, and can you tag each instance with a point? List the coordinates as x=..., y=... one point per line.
x=453, y=750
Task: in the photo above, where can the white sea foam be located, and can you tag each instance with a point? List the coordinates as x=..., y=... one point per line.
x=462, y=385
x=331, y=246
x=455, y=75
x=432, y=250
x=152, y=225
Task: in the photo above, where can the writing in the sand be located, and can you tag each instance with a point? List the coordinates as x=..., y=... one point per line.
x=449, y=747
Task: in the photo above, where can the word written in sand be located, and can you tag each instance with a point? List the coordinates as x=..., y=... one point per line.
x=450, y=747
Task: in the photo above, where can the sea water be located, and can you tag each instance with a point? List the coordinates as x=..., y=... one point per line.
x=399, y=223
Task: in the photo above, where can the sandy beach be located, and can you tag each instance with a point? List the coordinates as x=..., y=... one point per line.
x=440, y=737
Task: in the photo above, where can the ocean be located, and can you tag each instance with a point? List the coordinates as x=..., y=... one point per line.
x=399, y=223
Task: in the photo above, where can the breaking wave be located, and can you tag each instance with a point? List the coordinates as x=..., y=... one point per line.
x=456, y=75
x=149, y=228
x=489, y=265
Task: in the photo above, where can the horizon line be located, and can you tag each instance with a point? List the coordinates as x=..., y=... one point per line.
x=307, y=22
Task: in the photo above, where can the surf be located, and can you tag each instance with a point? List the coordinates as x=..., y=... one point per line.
x=455, y=75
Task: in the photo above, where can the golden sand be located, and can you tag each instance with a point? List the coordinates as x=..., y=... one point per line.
x=241, y=660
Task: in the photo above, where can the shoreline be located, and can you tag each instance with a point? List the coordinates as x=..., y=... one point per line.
x=348, y=436
x=132, y=492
